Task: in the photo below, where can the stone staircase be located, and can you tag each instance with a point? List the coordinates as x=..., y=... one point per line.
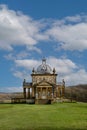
x=42, y=101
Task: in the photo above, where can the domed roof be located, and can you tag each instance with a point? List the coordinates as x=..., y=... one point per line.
x=44, y=68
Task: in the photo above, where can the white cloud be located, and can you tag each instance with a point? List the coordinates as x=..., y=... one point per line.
x=69, y=71
x=33, y=48
x=17, y=29
x=20, y=55
x=76, y=18
x=19, y=74
x=27, y=63
x=22, y=75
x=77, y=77
x=62, y=65
x=70, y=36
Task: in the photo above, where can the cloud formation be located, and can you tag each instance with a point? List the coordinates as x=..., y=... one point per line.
x=27, y=63
x=17, y=29
x=70, y=33
x=14, y=56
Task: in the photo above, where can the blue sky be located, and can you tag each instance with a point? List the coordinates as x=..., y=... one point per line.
x=33, y=29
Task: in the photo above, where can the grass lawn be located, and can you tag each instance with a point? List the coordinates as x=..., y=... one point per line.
x=60, y=116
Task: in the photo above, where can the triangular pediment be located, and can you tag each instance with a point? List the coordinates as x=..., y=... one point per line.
x=43, y=83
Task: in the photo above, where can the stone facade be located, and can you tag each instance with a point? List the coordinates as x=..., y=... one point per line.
x=44, y=87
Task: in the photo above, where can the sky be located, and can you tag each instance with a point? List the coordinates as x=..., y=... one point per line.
x=33, y=29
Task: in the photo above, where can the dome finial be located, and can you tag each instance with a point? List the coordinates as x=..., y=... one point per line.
x=43, y=61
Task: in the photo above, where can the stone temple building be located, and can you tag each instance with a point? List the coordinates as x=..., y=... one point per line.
x=44, y=87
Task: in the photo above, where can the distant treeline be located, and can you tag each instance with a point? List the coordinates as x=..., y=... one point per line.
x=78, y=92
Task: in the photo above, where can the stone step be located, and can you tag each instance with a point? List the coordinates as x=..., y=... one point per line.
x=42, y=101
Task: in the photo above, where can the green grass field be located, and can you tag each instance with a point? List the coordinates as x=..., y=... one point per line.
x=60, y=116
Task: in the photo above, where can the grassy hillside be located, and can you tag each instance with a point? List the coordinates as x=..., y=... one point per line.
x=78, y=92
x=6, y=97
x=61, y=116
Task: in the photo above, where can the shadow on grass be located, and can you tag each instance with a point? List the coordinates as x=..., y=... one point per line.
x=51, y=128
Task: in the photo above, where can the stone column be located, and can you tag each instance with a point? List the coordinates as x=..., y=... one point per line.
x=36, y=93
x=41, y=93
x=55, y=92
x=63, y=91
x=33, y=93
x=52, y=91
x=47, y=92
x=24, y=91
x=28, y=93
x=59, y=91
